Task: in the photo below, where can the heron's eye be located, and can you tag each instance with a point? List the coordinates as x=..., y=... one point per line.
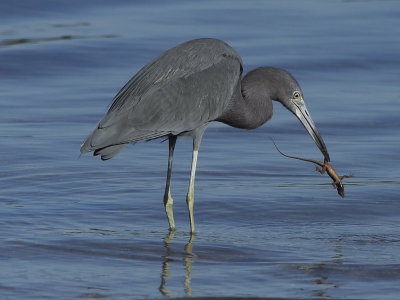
x=296, y=95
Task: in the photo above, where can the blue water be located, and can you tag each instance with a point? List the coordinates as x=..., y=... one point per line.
x=74, y=227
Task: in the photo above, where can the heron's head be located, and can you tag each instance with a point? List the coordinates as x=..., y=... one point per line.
x=288, y=92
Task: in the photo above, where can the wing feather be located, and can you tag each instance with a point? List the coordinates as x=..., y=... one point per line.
x=184, y=88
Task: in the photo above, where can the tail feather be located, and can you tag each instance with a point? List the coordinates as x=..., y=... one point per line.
x=108, y=152
x=106, y=143
x=86, y=147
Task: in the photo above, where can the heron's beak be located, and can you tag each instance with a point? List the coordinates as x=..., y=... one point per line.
x=300, y=110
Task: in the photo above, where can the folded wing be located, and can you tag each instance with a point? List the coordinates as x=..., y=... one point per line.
x=181, y=90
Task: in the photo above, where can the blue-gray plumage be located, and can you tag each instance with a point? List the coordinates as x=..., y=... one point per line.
x=182, y=91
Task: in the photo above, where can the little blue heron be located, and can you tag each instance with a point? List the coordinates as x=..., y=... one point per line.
x=184, y=89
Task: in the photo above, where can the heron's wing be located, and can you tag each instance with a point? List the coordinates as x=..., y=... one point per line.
x=181, y=61
x=179, y=91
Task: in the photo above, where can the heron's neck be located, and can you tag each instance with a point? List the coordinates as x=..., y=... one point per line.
x=250, y=105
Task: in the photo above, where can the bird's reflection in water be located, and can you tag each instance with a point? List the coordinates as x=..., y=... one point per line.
x=321, y=272
x=187, y=259
x=165, y=264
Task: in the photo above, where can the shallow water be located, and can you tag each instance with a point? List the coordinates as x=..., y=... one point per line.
x=75, y=227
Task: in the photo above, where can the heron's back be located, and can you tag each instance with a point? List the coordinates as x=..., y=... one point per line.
x=182, y=89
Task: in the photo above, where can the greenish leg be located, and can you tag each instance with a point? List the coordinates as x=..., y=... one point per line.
x=168, y=201
x=197, y=136
x=190, y=194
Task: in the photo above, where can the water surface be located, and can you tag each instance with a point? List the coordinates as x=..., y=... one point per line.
x=75, y=227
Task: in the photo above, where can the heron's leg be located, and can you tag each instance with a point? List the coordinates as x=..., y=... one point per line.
x=168, y=201
x=190, y=195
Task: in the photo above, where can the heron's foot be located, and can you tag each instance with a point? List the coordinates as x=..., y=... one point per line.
x=169, y=237
x=168, y=204
x=190, y=205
